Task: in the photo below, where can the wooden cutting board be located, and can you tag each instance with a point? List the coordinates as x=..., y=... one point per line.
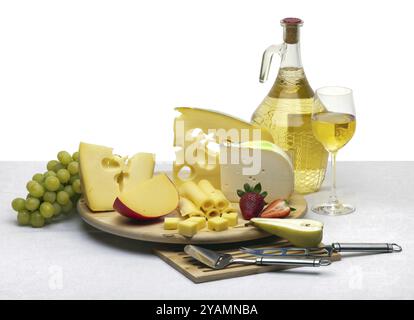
x=198, y=273
x=113, y=222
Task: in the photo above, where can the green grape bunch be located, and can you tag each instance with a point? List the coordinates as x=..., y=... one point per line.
x=50, y=193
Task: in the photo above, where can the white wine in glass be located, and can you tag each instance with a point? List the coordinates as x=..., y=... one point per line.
x=333, y=125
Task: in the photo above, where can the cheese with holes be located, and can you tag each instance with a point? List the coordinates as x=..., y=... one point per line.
x=259, y=161
x=197, y=132
x=104, y=174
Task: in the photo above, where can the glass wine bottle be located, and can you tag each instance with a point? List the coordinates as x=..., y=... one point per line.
x=286, y=110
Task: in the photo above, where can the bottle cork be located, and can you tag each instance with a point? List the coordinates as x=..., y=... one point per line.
x=291, y=29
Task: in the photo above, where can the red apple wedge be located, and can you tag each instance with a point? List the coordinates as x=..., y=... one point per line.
x=148, y=200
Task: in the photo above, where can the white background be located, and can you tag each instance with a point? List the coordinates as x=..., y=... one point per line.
x=111, y=72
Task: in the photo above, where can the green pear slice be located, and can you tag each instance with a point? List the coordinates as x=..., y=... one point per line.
x=300, y=232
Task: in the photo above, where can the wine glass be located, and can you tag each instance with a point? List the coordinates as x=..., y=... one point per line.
x=333, y=124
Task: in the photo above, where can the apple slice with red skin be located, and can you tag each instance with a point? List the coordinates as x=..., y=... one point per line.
x=148, y=200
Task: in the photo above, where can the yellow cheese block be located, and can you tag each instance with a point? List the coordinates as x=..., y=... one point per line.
x=99, y=170
x=201, y=222
x=231, y=217
x=171, y=223
x=187, y=228
x=218, y=224
x=193, y=138
x=104, y=175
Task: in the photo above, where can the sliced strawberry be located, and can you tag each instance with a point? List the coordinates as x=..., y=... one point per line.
x=277, y=209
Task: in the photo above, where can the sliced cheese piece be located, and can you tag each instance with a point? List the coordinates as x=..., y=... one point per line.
x=188, y=208
x=99, y=171
x=139, y=168
x=220, y=201
x=270, y=166
x=193, y=136
x=192, y=191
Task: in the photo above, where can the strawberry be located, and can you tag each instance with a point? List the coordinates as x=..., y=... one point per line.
x=251, y=200
x=277, y=209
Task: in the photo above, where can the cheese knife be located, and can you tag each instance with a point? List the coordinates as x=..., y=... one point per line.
x=327, y=250
x=217, y=260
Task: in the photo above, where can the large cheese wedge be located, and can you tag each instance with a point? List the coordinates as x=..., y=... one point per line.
x=196, y=132
x=104, y=174
x=148, y=200
x=99, y=171
x=258, y=161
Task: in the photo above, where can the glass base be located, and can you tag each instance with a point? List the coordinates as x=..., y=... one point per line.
x=333, y=209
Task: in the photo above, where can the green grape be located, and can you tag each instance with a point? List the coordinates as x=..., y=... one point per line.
x=18, y=204
x=49, y=174
x=37, y=220
x=58, y=167
x=69, y=190
x=63, y=175
x=38, y=177
x=75, y=156
x=36, y=190
x=57, y=209
x=32, y=204
x=76, y=185
x=51, y=165
x=30, y=183
x=62, y=197
x=47, y=210
x=52, y=183
x=23, y=217
x=67, y=207
x=73, y=178
x=64, y=157
x=49, y=196
x=73, y=168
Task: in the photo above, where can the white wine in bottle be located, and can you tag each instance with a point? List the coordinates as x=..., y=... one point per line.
x=286, y=111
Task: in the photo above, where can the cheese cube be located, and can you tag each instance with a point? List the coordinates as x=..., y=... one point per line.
x=201, y=222
x=171, y=223
x=218, y=224
x=231, y=217
x=187, y=228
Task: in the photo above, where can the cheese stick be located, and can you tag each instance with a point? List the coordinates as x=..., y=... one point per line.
x=211, y=213
x=192, y=191
x=220, y=201
x=188, y=208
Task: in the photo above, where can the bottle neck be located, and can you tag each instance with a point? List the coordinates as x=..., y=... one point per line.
x=291, y=57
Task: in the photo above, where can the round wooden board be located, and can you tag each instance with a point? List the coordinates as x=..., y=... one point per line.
x=114, y=223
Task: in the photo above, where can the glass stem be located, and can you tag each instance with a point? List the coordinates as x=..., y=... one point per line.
x=332, y=198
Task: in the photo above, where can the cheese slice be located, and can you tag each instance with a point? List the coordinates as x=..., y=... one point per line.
x=104, y=175
x=197, y=132
x=259, y=161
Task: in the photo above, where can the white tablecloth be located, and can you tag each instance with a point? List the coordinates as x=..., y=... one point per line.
x=72, y=260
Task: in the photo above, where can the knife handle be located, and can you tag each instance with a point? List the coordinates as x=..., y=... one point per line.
x=315, y=262
x=366, y=247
